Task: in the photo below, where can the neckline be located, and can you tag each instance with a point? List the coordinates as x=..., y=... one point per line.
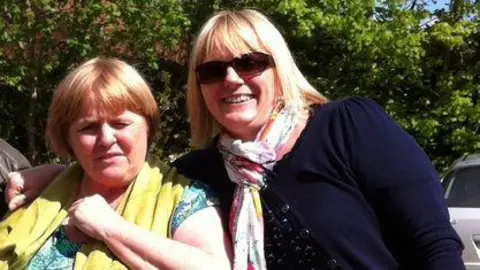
x=314, y=108
x=287, y=156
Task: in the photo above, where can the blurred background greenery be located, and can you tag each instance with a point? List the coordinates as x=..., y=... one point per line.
x=419, y=59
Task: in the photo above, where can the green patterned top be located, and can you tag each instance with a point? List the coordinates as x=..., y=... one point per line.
x=58, y=253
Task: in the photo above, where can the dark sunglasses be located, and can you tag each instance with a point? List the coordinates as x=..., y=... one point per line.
x=247, y=65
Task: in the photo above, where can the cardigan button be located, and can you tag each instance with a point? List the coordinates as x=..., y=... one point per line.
x=269, y=217
x=304, y=233
x=332, y=264
x=285, y=208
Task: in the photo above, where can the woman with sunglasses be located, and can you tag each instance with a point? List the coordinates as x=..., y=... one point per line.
x=306, y=183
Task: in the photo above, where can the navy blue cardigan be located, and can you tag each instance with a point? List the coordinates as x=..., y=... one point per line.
x=355, y=192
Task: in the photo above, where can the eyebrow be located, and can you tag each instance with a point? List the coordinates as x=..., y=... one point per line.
x=86, y=120
x=91, y=119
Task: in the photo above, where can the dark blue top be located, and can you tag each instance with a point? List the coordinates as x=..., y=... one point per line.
x=355, y=192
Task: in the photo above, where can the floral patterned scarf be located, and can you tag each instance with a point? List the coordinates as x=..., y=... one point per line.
x=246, y=164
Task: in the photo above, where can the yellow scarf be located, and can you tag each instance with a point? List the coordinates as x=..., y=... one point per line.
x=149, y=202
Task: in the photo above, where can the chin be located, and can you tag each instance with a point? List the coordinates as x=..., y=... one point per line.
x=113, y=173
x=115, y=181
x=243, y=118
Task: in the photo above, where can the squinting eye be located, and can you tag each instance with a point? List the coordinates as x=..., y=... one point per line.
x=120, y=124
x=86, y=128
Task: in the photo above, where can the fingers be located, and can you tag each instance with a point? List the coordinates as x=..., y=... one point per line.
x=14, y=185
x=76, y=203
x=14, y=188
x=73, y=207
x=30, y=181
x=76, y=235
x=94, y=201
x=18, y=201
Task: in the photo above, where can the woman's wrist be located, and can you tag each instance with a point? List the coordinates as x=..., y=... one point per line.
x=115, y=229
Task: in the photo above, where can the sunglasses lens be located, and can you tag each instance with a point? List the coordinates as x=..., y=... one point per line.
x=251, y=64
x=247, y=65
x=211, y=72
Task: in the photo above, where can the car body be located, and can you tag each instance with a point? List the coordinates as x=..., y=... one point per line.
x=462, y=192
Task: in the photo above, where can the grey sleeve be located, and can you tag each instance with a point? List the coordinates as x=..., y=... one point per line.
x=10, y=160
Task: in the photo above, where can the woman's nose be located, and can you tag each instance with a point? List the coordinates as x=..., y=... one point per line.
x=232, y=79
x=107, y=135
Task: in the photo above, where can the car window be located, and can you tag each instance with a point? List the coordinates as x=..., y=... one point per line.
x=446, y=180
x=463, y=188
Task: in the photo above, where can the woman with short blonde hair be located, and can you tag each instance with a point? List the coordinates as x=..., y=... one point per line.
x=108, y=83
x=116, y=207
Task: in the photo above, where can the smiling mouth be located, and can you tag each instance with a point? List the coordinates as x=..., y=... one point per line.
x=238, y=99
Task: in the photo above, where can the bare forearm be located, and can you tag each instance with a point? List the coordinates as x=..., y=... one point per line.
x=140, y=249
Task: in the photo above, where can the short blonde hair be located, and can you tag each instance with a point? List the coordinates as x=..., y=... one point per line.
x=108, y=84
x=240, y=32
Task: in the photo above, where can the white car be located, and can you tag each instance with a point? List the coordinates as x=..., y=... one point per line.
x=462, y=192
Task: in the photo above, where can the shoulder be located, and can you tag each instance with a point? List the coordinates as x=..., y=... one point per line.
x=342, y=118
x=201, y=193
x=14, y=156
x=197, y=196
x=195, y=163
x=368, y=138
x=11, y=160
x=353, y=116
x=349, y=108
x=4, y=146
x=347, y=129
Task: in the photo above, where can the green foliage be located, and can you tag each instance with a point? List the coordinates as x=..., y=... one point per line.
x=42, y=40
x=424, y=75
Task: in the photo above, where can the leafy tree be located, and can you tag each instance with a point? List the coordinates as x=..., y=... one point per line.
x=42, y=40
x=422, y=66
x=425, y=76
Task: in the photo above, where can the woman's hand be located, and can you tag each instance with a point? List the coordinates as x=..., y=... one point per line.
x=93, y=216
x=74, y=233
x=24, y=186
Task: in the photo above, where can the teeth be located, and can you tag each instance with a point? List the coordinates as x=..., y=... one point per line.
x=238, y=99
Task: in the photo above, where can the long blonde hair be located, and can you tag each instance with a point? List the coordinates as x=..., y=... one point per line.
x=240, y=32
